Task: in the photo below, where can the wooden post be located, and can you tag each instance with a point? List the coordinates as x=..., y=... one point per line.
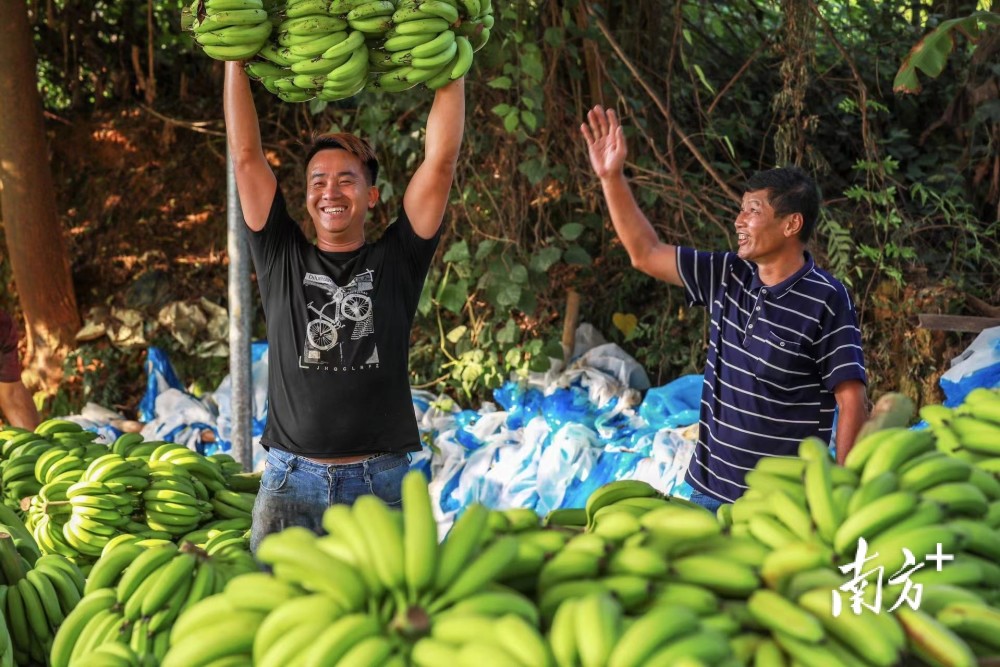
x=569, y=324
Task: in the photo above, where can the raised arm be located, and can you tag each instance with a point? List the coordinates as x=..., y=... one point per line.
x=254, y=179
x=607, y=149
x=427, y=193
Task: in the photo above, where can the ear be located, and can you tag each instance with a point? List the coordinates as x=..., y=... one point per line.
x=372, y=196
x=793, y=224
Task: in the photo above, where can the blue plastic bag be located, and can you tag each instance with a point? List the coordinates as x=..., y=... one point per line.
x=675, y=404
x=977, y=366
x=160, y=376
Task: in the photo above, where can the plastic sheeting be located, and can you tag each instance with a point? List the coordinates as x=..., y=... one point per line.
x=977, y=366
x=546, y=442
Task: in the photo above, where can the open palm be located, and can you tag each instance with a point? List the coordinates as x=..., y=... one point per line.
x=605, y=141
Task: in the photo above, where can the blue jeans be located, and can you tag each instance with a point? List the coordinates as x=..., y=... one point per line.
x=295, y=491
x=711, y=503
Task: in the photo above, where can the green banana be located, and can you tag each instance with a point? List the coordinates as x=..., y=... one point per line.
x=237, y=35
x=420, y=543
x=598, y=620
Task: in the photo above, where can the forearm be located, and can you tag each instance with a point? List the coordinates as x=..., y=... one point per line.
x=849, y=421
x=446, y=126
x=17, y=406
x=630, y=223
x=242, y=127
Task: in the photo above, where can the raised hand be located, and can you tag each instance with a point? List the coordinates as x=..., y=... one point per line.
x=605, y=141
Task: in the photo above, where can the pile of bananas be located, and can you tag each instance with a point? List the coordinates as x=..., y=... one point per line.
x=132, y=488
x=36, y=595
x=970, y=432
x=333, y=49
x=373, y=591
x=902, y=494
x=27, y=457
x=228, y=29
x=136, y=591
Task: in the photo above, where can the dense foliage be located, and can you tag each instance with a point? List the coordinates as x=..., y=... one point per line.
x=709, y=92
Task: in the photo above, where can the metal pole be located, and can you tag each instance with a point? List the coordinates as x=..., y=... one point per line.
x=239, y=323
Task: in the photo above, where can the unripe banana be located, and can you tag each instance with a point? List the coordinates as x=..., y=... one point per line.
x=236, y=35
x=241, y=52
x=354, y=40
x=230, y=18
x=435, y=46
x=371, y=9
x=355, y=68
x=440, y=9
x=407, y=42
x=312, y=25
x=374, y=25
x=434, y=25
x=463, y=59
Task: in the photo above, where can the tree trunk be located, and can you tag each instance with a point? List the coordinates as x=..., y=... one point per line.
x=38, y=254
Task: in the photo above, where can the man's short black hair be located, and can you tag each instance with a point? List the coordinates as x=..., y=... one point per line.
x=354, y=145
x=790, y=190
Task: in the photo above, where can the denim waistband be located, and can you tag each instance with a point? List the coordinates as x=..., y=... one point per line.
x=370, y=466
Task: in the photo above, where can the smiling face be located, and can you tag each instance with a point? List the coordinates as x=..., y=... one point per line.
x=338, y=197
x=762, y=236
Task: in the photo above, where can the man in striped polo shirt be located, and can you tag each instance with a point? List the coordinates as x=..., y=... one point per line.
x=784, y=345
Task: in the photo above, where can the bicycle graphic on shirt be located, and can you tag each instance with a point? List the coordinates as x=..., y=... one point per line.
x=346, y=303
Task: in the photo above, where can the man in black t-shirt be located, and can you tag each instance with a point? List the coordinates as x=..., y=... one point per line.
x=340, y=421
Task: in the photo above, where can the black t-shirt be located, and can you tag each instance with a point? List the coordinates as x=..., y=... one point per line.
x=338, y=327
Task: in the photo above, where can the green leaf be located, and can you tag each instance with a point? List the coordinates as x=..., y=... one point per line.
x=316, y=106
x=501, y=109
x=519, y=274
x=528, y=302
x=531, y=64
x=553, y=37
x=509, y=294
x=528, y=118
x=543, y=260
x=930, y=54
x=454, y=296
x=458, y=252
x=577, y=255
x=508, y=334
x=426, y=303
x=456, y=334
x=701, y=77
x=511, y=120
x=533, y=169
x=501, y=82
x=571, y=231
x=484, y=249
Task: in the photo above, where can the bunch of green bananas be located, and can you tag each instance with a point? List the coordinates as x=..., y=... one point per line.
x=134, y=594
x=22, y=450
x=35, y=598
x=971, y=431
x=229, y=29
x=430, y=42
x=334, y=49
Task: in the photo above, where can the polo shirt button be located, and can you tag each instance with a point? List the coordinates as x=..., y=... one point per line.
x=750, y=327
x=782, y=344
x=758, y=307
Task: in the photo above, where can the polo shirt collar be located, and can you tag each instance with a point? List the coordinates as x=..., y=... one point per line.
x=782, y=288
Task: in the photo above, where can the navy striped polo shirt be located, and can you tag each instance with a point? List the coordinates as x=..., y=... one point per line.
x=775, y=355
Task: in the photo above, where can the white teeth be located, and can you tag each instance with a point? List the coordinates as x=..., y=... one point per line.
x=336, y=209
